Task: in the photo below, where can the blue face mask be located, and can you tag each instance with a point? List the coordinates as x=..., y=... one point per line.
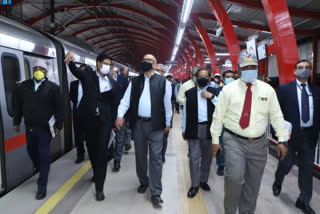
x=249, y=76
x=228, y=80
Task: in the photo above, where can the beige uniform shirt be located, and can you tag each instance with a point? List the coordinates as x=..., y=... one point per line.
x=264, y=105
x=185, y=87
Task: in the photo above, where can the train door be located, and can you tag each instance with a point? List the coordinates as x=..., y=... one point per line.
x=15, y=163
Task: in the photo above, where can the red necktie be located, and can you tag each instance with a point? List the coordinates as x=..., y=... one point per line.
x=246, y=111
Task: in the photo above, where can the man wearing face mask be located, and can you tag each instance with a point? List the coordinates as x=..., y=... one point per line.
x=123, y=135
x=300, y=104
x=196, y=121
x=37, y=100
x=244, y=108
x=186, y=86
x=148, y=97
x=97, y=111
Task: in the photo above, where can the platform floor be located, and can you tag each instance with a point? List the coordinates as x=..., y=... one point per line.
x=70, y=189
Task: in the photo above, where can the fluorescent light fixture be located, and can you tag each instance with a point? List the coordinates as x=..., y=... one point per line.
x=186, y=10
x=179, y=36
x=222, y=54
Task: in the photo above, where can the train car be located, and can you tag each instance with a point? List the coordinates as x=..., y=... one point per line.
x=21, y=48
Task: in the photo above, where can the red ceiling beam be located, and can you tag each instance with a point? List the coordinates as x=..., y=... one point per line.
x=125, y=34
x=283, y=37
x=139, y=41
x=143, y=33
x=296, y=12
x=122, y=26
x=247, y=25
x=197, y=50
x=89, y=18
x=193, y=60
x=162, y=21
x=208, y=44
x=230, y=34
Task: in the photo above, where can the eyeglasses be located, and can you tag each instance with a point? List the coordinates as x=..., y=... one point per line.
x=105, y=63
x=304, y=67
x=158, y=70
x=148, y=60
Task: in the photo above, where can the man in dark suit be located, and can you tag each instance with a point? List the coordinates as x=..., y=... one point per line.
x=123, y=135
x=300, y=104
x=97, y=111
x=76, y=93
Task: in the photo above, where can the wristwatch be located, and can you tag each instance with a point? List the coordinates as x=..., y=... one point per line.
x=284, y=143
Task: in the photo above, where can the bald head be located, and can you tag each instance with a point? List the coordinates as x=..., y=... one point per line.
x=150, y=58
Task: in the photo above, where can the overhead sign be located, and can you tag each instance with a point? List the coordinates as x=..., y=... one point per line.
x=262, y=52
x=252, y=47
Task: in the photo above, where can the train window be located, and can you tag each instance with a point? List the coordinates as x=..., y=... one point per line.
x=11, y=77
x=27, y=68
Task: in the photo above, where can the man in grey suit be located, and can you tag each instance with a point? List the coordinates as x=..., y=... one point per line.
x=148, y=97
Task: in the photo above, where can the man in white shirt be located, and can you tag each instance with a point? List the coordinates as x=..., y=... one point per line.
x=149, y=99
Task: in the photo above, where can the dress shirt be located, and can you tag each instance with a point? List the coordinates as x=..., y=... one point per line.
x=299, y=88
x=185, y=87
x=202, y=108
x=144, y=107
x=264, y=105
x=37, y=84
x=104, y=83
x=80, y=93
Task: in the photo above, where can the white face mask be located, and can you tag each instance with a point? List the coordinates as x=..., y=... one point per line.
x=105, y=69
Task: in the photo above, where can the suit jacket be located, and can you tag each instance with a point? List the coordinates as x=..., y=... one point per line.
x=91, y=104
x=74, y=93
x=288, y=99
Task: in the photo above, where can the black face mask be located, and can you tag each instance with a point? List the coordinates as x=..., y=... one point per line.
x=202, y=82
x=146, y=66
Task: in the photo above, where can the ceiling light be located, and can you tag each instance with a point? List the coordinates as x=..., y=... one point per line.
x=186, y=10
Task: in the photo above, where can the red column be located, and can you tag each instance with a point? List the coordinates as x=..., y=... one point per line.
x=197, y=50
x=207, y=43
x=315, y=57
x=284, y=38
x=229, y=33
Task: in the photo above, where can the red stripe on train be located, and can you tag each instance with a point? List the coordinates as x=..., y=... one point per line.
x=15, y=142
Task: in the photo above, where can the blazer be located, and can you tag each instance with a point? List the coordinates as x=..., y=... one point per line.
x=288, y=100
x=91, y=104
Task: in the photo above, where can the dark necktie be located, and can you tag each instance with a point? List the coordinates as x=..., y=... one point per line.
x=246, y=111
x=304, y=104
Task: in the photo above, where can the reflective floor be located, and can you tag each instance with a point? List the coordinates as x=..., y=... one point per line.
x=70, y=189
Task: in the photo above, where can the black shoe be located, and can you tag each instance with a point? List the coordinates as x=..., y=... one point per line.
x=100, y=196
x=116, y=166
x=305, y=208
x=205, y=186
x=156, y=201
x=142, y=188
x=127, y=147
x=220, y=171
x=41, y=194
x=79, y=160
x=276, y=189
x=193, y=191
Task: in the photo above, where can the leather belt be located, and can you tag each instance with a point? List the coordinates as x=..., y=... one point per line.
x=144, y=118
x=203, y=123
x=306, y=128
x=245, y=138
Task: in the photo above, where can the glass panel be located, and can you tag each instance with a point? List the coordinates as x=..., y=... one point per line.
x=27, y=68
x=11, y=78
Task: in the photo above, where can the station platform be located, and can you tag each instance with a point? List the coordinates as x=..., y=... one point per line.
x=71, y=191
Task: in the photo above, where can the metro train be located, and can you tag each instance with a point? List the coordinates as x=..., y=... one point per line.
x=21, y=48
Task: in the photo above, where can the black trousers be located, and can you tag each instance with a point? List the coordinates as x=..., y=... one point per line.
x=98, y=134
x=304, y=146
x=79, y=134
